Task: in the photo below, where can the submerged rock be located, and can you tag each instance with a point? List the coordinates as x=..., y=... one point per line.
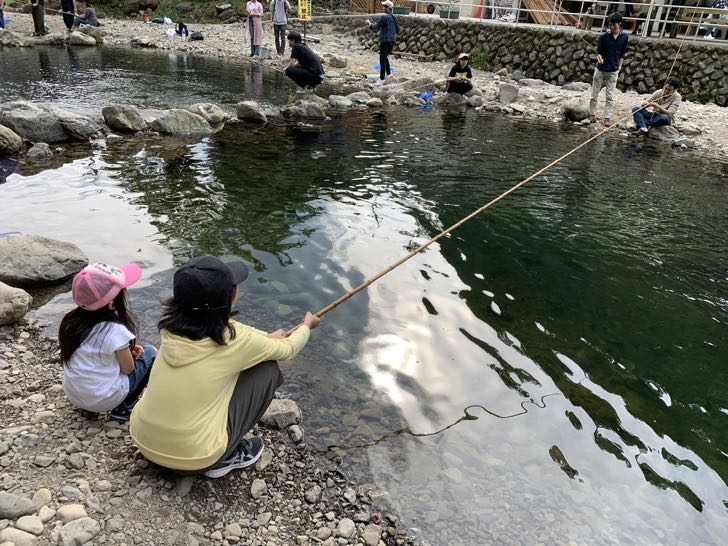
x=211, y=113
x=39, y=152
x=360, y=97
x=123, y=118
x=10, y=142
x=81, y=39
x=249, y=110
x=181, y=123
x=27, y=260
x=143, y=41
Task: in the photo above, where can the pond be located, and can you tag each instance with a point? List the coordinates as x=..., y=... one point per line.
x=552, y=371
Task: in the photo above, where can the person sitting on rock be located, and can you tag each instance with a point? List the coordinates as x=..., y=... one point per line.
x=103, y=369
x=304, y=67
x=213, y=378
x=89, y=17
x=460, y=77
x=664, y=102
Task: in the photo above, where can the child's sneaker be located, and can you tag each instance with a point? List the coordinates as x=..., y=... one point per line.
x=122, y=412
x=246, y=455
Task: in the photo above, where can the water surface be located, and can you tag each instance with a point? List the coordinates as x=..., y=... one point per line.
x=550, y=372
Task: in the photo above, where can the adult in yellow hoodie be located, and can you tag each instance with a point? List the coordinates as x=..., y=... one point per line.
x=213, y=377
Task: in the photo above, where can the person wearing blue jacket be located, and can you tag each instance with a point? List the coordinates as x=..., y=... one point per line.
x=388, y=28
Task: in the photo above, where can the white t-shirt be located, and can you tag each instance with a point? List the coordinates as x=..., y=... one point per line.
x=92, y=378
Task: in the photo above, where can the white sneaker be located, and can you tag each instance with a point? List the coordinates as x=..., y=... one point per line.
x=379, y=82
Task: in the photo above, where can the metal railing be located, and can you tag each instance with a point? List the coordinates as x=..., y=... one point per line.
x=668, y=18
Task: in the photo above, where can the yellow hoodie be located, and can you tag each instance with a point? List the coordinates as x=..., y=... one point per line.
x=181, y=420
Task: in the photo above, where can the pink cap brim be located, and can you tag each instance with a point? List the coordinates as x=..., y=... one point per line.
x=132, y=273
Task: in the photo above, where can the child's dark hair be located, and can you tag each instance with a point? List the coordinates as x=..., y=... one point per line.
x=78, y=324
x=197, y=324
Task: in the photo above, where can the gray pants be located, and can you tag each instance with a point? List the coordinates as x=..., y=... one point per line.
x=280, y=37
x=599, y=80
x=252, y=395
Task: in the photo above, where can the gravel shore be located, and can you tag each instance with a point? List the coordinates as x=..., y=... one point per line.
x=68, y=477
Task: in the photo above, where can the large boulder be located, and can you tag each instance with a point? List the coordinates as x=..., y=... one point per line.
x=80, y=39
x=28, y=260
x=360, y=97
x=335, y=61
x=32, y=121
x=13, y=39
x=79, y=531
x=451, y=100
x=507, y=93
x=667, y=133
x=179, y=122
x=10, y=142
x=77, y=126
x=211, y=113
x=95, y=32
x=14, y=304
x=13, y=506
x=249, y=110
x=123, y=118
x=340, y=102
x=143, y=41
x=303, y=109
x=575, y=111
x=41, y=123
x=576, y=86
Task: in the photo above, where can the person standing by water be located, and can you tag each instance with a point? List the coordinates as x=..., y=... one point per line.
x=611, y=50
x=68, y=8
x=89, y=17
x=459, y=79
x=279, y=10
x=304, y=68
x=254, y=26
x=2, y=15
x=388, y=28
x=213, y=377
x=38, y=12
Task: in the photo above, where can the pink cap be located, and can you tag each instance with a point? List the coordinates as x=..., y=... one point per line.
x=98, y=284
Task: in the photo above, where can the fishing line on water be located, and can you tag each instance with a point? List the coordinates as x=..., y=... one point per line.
x=467, y=416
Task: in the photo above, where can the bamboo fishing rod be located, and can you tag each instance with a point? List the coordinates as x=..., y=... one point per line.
x=333, y=305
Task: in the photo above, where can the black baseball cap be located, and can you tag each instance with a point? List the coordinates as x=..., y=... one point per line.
x=206, y=283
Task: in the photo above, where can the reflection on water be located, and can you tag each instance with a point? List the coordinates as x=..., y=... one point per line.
x=581, y=321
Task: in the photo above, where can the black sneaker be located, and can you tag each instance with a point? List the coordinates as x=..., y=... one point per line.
x=246, y=455
x=122, y=412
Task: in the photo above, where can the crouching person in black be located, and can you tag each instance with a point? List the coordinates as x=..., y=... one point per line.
x=459, y=79
x=304, y=68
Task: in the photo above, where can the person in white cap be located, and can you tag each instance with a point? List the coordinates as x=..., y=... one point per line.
x=388, y=28
x=459, y=79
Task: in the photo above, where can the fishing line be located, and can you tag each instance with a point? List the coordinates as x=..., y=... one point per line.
x=467, y=416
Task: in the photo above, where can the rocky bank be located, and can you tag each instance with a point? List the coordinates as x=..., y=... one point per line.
x=348, y=63
x=70, y=478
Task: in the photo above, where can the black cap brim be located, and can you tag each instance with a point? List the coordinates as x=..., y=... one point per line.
x=239, y=271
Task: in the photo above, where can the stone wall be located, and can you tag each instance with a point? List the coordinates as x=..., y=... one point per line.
x=556, y=56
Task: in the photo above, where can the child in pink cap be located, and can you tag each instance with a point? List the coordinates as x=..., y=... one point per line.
x=103, y=369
